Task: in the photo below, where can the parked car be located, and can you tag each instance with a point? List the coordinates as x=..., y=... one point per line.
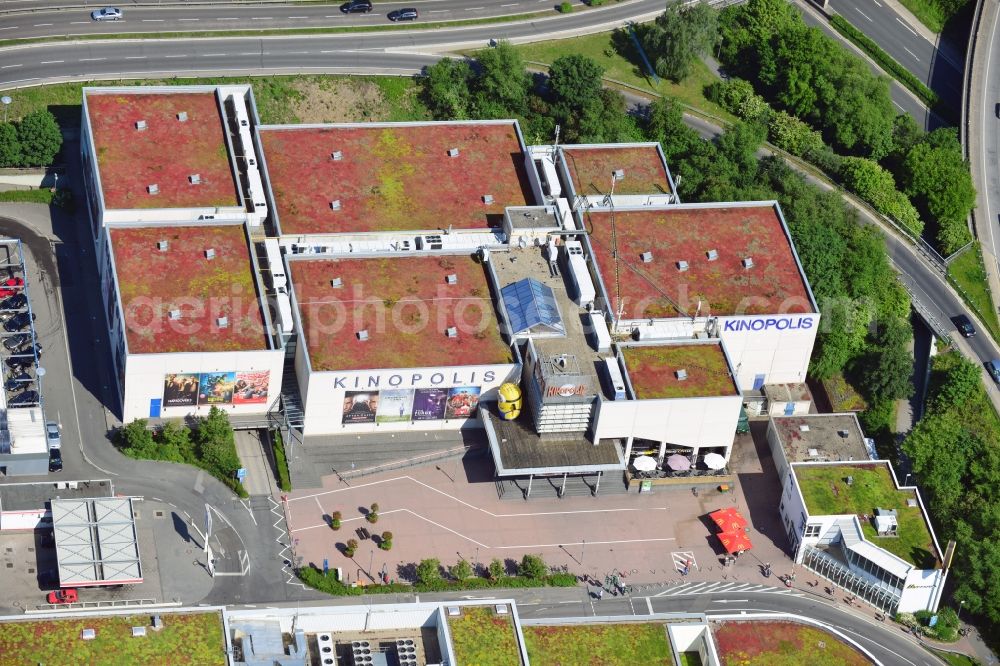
x=19, y=362
x=17, y=381
x=11, y=286
x=963, y=325
x=16, y=341
x=23, y=399
x=66, y=596
x=404, y=14
x=15, y=302
x=52, y=434
x=356, y=7
x=55, y=460
x=993, y=367
x=18, y=322
x=107, y=14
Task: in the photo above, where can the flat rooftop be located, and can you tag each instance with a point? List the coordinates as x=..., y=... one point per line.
x=154, y=282
x=166, y=154
x=34, y=496
x=590, y=168
x=687, y=232
x=826, y=492
x=406, y=304
x=96, y=541
x=820, y=437
x=653, y=369
x=394, y=177
x=518, y=449
x=531, y=262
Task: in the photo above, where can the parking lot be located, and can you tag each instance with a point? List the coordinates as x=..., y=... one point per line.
x=18, y=348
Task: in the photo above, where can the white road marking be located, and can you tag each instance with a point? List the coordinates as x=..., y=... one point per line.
x=152, y=20
x=227, y=18
x=512, y=4
x=13, y=27
x=135, y=57
x=10, y=66
x=249, y=53
x=912, y=54
x=649, y=605
x=437, y=11
x=899, y=107
x=41, y=25
x=51, y=62
x=903, y=23
x=729, y=601
x=173, y=56
x=79, y=23
x=213, y=55
x=298, y=17
x=877, y=3
x=91, y=59
x=473, y=9
x=189, y=19
x=260, y=18
x=863, y=14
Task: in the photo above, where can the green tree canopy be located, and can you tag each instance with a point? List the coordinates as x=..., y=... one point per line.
x=10, y=146
x=679, y=36
x=40, y=138
x=501, y=88
x=446, y=89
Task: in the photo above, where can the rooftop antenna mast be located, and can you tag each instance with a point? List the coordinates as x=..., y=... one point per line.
x=616, y=175
x=556, y=144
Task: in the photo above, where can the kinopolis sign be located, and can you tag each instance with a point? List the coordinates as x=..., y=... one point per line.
x=779, y=323
x=415, y=379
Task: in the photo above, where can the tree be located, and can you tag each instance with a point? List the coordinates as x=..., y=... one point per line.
x=875, y=185
x=532, y=566
x=884, y=372
x=500, y=90
x=386, y=541
x=216, y=443
x=445, y=89
x=40, y=138
x=496, y=569
x=679, y=36
x=429, y=571
x=136, y=439
x=10, y=146
x=460, y=570
x=175, y=443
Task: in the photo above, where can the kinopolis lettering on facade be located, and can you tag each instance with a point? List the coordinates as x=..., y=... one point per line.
x=769, y=323
x=415, y=380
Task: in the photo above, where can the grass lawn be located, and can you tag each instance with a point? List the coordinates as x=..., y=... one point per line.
x=690, y=91
x=927, y=12
x=184, y=639
x=843, y=397
x=280, y=99
x=782, y=644
x=606, y=644
x=967, y=273
x=956, y=659
x=483, y=638
x=826, y=493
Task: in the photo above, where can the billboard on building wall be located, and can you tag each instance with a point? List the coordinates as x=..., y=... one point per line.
x=180, y=390
x=360, y=407
x=428, y=404
x=462, y=402
x=251, y=387
x=216, y=388
x=394, y=406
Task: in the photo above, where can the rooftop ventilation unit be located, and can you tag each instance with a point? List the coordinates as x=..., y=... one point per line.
x=487, y=199
x=844, y=434
x=335, y=204
x=452, y=279
x=453, y=152
x=195, y=179
x=337, y=283
x=712, y=255
x=210, y=253
x=182, y=116
x=222, y=322
x=336, y=156
x=748, y=262
x=153, y=189
x=813, y=453
x=174, y=314
x=618, y=174
x=850, y=480
x=163, y=245
x=138, y=632
x=912, y=503
x=647, y=257
x=140, y=125
x=682, y=374
x=363, y=335
x=803, y=428
x=682, y=266
x=451, y=332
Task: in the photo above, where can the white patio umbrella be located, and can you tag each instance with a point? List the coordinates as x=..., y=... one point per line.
x=714, y=461
x=644, y=464
x=678, y=463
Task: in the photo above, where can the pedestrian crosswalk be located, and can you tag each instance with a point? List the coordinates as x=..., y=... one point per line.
x=721, y=586
x=684, y=560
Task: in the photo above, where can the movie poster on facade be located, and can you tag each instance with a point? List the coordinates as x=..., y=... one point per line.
x=462, y=402
x=180, y=390
x=360, y=407
x=251, y=387
x=428, y=404
x=216, y=388
x=394, y=406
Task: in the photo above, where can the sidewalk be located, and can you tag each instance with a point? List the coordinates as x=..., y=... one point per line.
x=259, y=479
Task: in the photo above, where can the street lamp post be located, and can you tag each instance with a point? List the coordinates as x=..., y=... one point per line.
x=960, y=605
x=6, y=100
x=906, y=482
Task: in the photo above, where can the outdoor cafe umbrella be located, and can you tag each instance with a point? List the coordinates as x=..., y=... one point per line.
x=678, y=463
x=644, y=464
x=728, y=520
x=734, y=542
x=715, y=461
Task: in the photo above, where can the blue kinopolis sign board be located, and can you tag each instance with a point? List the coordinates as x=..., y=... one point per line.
x=770, y=323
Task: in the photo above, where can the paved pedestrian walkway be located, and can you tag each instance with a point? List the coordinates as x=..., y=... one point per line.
x=259, y=479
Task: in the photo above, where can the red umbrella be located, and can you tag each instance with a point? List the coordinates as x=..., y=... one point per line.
x=728, y=520
x=735, y=542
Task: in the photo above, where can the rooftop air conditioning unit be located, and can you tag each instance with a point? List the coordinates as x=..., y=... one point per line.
x=174, y=314
x=210, y=253
x=618, y=174
x=452, y=279
x=453, y=152
x=813, y=453
x=335, y=204
x=336, y=156
x=222, y=322
x=153, y=189
x=682, y=266
x=803, y=428
x=337, y=283
x=163, y=245
x=647, y=257
x=712, y=255
x=182, y=116
x=140, y=125
x=682, y=374
x=363, y=335
x=487, y=199
x=748, y=262
x=451, y=332
x=195, y=179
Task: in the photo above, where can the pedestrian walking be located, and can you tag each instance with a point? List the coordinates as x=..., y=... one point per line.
x=600, y=593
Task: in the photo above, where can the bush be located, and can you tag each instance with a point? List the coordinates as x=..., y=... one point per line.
x=10, y=146
x=496, y=569
x=372, y=517
x=374, y=507
x=335, y=523
x=791, y=134
x=281, y=462
x=877, y=186
x=385, y=543
x=351, y=547
x=737, y=96
x=595, y=3
x=565, y=8
x=532, y=566
x=428, y=571
x=328, y=583
x=39, y=137
x=460, y=570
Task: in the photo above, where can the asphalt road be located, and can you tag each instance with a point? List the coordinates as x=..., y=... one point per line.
x=985, y=153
